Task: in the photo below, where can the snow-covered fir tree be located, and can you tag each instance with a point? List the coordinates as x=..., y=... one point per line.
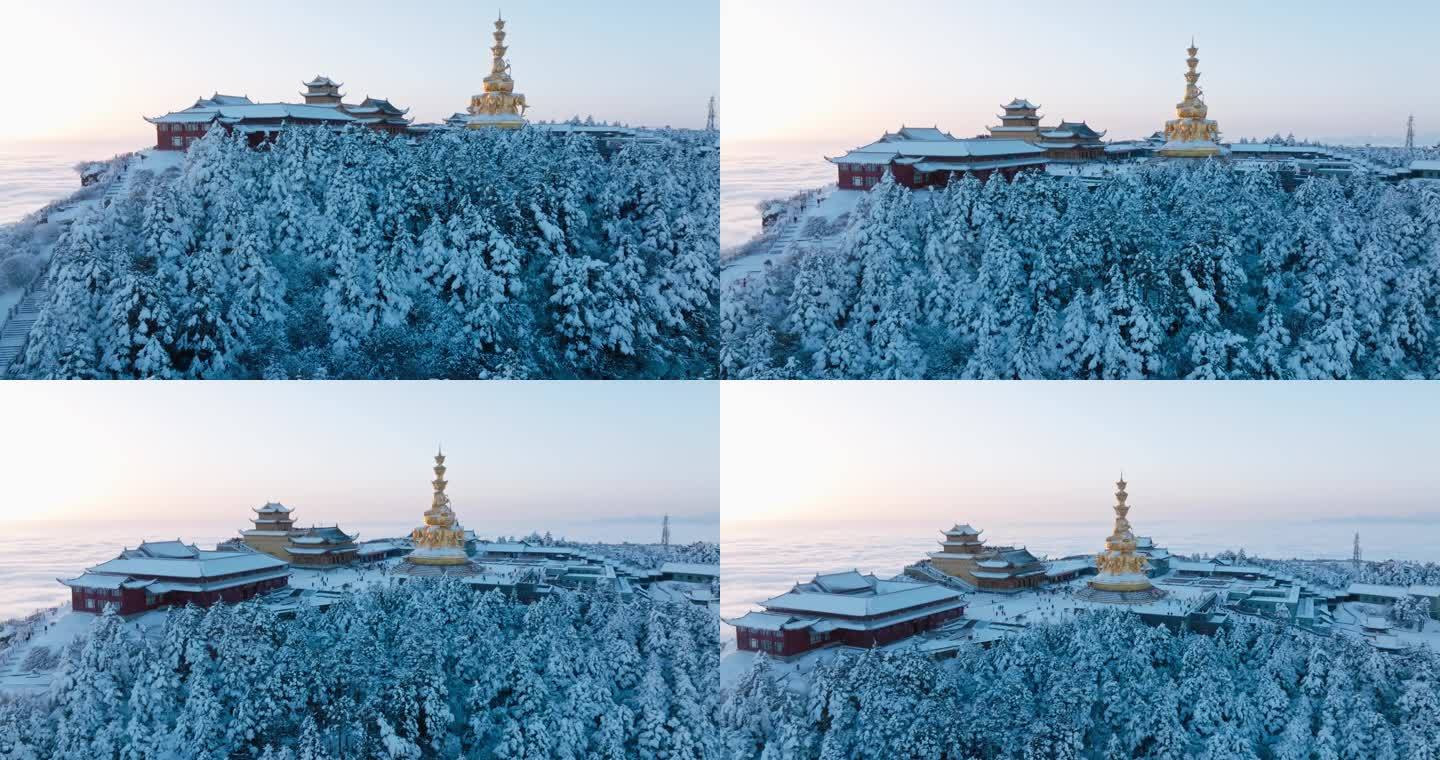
x=417, y=670
x=1104, y=686
x=471, y=254
x=1199, y=271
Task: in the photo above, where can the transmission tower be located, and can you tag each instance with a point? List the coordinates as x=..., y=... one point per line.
x=1410, y=133
x=665, y=531
x=1355, y=558
x=710, y=116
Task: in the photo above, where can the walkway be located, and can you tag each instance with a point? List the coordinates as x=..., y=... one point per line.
x=20, y=319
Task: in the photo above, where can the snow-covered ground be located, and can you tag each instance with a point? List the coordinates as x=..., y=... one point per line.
x=790, y=234
x=55, y=630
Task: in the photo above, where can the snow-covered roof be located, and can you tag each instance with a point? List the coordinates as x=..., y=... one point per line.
x=690, y=568
x=961, y=530
x=1375, y=623
x=1268, y=148
x=321, y=535
x=897, y=598
x=975, y=147
x=1072, y=129
x=1016, y=557
x=520, y=548
x=96, y=580
x=1388, y=643
x=1375, y=589
x=322, y=81
x=1425, y=166
x=237, y=113
x=1216, y=566
x=206, y=565
x=1019, y=103
x=376, y=105
x=176, y=549
x=316, y=550
x=1065, y=566
x=942, y=166
x=764, y=621
x=923, y=133
x=380, y=547
x=272, y=507
x=222, y=100
x=847, y=582
x=163, y=586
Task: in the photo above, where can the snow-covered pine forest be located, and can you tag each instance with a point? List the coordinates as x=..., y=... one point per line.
x=1171, y=271
x=1104, y=687
x=654, y=555
x=408, y=671
x=469, y=254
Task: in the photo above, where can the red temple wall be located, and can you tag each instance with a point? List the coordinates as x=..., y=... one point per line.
x=132, y=601
x=790, y=643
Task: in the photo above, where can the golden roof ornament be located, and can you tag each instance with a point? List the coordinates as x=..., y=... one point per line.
x=499, y=106
x=1192, y=135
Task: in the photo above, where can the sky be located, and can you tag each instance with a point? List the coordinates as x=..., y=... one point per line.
x=1007, y=451
x=354, y=451
x=86, y=70
x=844, y=71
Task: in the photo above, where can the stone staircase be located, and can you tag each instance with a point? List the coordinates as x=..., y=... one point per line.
x=924, y=571
x=118, y=187
x=20, y=319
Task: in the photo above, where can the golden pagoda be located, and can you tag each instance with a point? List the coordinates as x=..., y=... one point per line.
x=499, y=106
x=1192, y=135
x=440, y=542
x=1121, y=571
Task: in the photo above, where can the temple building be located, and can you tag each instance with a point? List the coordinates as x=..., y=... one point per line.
x=261, y=122
x=1121, y=571
x=964, y=555
x=929, y=158
x=1068, y=141
x=1021, y=121
x=1192, y=135
x=499, y=106
x=440, y=542
x=275, y=534
x=271, y=534
x=172, y=573
x=322, y=547
x=847, y=609
x=1072, y=141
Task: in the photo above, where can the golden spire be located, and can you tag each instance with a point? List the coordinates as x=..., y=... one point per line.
x=1120, y=567
x=1192, y=135
x=498, y=105
x=441, y=540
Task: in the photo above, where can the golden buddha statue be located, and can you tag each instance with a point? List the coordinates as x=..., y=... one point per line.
x=1192, y=135
x=441, y=540
x=499, y=105
x=1121, y=575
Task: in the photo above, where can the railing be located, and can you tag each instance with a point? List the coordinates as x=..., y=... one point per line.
x=24, y=294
